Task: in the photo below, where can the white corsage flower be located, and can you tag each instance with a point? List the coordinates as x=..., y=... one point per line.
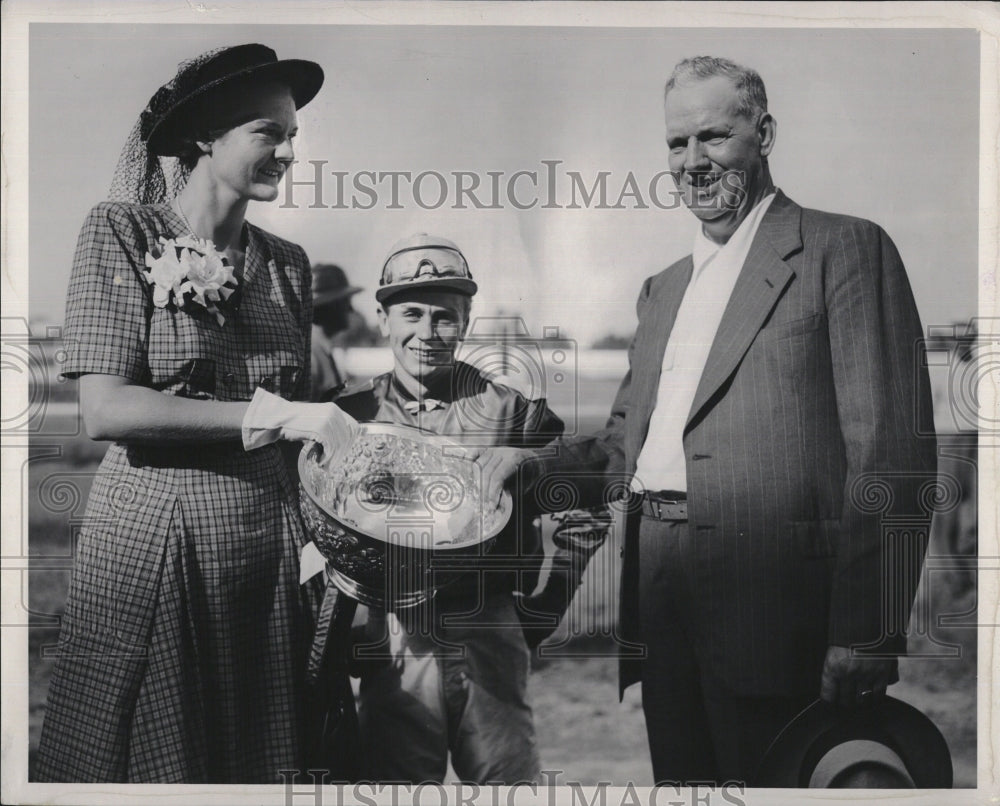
x=164, y=273
x=189, y=271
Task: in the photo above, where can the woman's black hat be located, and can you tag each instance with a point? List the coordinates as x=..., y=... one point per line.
x=166, y=119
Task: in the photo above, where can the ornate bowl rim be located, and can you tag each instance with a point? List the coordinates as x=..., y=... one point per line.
x=417, y=435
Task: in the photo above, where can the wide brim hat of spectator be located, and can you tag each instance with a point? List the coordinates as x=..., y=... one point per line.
x=168, y=116
x=824, y=746
x=422, y=262
x=330, y=285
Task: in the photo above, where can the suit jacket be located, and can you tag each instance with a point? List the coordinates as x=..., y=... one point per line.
x=810, y=453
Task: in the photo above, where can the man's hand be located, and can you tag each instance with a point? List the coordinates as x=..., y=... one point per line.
x=498, y=466
x=851, y=680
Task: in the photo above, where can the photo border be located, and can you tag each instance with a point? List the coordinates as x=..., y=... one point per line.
x=16, y=16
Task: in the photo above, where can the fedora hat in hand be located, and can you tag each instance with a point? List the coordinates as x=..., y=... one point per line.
x=166, y=118
x=889, y=744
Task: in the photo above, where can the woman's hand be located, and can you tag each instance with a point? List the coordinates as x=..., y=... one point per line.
x=270, y=418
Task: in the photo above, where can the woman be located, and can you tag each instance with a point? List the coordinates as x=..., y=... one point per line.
x=184, y=640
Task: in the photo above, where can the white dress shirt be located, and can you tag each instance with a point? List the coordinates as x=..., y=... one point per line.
x=661, y=461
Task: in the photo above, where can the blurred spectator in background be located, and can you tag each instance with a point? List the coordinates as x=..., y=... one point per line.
x=331, y=314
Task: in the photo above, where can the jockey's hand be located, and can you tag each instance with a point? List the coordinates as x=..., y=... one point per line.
x=498, y=467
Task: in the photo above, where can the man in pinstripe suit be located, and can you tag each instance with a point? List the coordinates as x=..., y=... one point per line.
x=775, y=414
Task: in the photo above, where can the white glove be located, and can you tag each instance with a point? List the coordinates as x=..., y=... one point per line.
x=271, y=418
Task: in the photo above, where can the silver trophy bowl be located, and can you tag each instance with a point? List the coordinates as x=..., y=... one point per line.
x=397, y=513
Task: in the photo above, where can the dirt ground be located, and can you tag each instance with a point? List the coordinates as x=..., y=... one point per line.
x=584, y=733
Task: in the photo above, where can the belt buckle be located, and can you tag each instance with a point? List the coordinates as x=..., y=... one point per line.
x=660, y=503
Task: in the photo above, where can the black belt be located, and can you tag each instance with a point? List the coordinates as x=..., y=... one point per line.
x=665, y=506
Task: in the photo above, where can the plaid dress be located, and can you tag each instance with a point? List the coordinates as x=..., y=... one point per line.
x=183, y=646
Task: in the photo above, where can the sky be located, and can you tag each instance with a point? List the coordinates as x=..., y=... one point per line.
x=882, y=124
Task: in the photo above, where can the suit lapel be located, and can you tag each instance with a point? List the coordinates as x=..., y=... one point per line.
x=760, y=284
x=658, y=323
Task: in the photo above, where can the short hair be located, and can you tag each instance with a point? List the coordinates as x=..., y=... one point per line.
x=749, y=85
x=188, y=150
x=466, y=308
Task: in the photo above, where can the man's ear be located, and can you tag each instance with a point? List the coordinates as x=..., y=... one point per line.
x=767, y=131
x=205, y=146
x=383, y=321
x=466, y=320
